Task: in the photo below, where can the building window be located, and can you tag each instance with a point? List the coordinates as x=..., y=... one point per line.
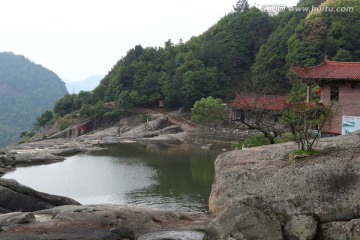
x=240, y=115
x=276, y=118
x=334, y=93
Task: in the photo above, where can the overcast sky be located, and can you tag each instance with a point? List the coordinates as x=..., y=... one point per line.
x=80, y=38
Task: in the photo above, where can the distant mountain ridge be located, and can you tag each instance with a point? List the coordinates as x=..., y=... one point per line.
x=87, y=84
x=27, y=89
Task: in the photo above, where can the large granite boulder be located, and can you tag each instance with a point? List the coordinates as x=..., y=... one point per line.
x=17, y=197
x=249, y=219
x=151, y=129
x=6, y=161
x=325, y=186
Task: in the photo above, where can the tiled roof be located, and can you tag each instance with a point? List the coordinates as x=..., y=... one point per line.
x=269, y=103
x=300, y=106
x=330, y=70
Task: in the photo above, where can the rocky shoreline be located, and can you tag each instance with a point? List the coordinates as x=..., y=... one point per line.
x=258, y=193
x=99, y=222
x=56, y=149
x=29, y=214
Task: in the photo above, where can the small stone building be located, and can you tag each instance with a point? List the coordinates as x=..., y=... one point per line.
x=340, y=86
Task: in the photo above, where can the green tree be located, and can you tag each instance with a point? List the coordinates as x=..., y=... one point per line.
x=325, y=33
x=124, y=100
x=45, y=119
x=27, y=135
x=270, y=67
x=65, y=105
x=343, y=55
x=302, y=118
x=83, y=97
x=209, y=112
x=202, y=83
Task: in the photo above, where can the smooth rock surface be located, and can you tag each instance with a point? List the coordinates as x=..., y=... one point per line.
x=326, y=185
x=103, y=222
x=36, y=158
x=7, y=161
x=173, y=235
x=17, y=197
x=9, y=219
x=249, y=219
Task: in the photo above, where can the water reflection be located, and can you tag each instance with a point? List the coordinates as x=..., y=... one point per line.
x=157, y=175
x=184, y=174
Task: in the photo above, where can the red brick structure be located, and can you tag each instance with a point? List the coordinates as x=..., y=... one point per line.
x=340, y=86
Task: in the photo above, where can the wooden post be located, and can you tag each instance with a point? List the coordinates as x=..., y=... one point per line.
x=308, y=92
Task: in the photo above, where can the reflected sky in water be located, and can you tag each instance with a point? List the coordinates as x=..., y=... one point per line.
x=156, y=175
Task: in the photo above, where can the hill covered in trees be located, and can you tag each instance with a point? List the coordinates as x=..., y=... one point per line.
x=247, y=49
x=27, y=89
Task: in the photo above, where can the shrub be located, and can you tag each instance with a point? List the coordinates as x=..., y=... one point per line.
x=63, y=126
x=209, y=111
x=253, y=141
x=146, y=117
x=304, y=153
x=260, y=140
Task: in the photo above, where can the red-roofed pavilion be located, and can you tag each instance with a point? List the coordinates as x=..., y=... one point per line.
x=340, y=86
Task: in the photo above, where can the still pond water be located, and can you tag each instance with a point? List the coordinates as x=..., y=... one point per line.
x=167, y=177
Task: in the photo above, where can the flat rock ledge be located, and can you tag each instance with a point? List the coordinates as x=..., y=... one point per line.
x=29, y=214
x=99, y=222
x=43, y=152
x=57, y=149
x=261, y=193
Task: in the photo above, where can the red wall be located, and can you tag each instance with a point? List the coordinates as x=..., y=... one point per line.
x=348, y=104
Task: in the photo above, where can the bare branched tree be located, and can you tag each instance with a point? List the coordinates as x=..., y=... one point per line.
x=253, y=109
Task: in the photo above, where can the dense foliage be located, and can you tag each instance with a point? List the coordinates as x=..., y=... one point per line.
x=332, y=33
x=44, y=120
x=26, y=90
x=211, y=64
x=209, y=112
x=246, y=44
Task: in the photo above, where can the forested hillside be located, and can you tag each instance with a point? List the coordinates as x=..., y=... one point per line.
x=247, y=50
x=210, y=64
x=26, y=90
x=336, y=34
